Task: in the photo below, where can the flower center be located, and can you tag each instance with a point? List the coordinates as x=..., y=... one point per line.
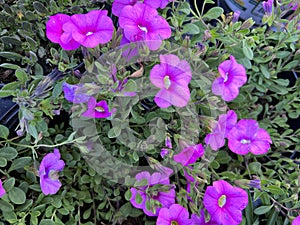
x=226, y=77
x=222, y=201
x=99, y=109
x=167, y=82
x=143, y=28
x=89, y=33
x=245, y=141
x=53, y=175
x=173, y=222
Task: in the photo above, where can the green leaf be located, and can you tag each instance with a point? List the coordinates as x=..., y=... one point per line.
x=138, y=198
x=131, y=86
x=10, y=40
x=5, y=206
x=21, y=75
x=191, y=29
x=11, y=55
x=6, y=93
x=8, y=153
x=9, y=184
x=17, y=195
x=46, y=222
x=4, y=132
x=114, y=132
x=265, y=71
x=9, y=66
x=213, y=13
x=275, y=190
x=247, y=50
x=33, y=131
x=263, y=209
x=40, y=8
x=19, y=163
x=249, y=210
x=3, y=162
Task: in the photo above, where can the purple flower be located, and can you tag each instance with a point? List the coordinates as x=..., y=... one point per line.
x=119, y=5
x=164, y=152
x=200, y=220
x=168, y=142
x=54, y=31
x=176, y=215
x=172, y=76
x=233, y=76
x=89, y=29
x=294, y=6
x=225, y=123
x=72, y=94
x=97, y=109
x=236, y=16
x=296, y=221
x=142, y=23
x=189, y=154
x=50, y=166
x=225, y=202
x=163, y=196
x=268, y=7
x=247, y=137
x=2, y=190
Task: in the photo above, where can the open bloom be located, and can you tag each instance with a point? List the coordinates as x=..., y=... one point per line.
x=142, y=23
x=200, y=220
x=247, y=137
x=225, y=202
x=2, y=190
x=54, y=31
x=90, y=29
x=118, y=5
x=72, y=95
x=172, y=76
x=233, y=76
x=50, y=166
x=268, y=7
x=226, y=122
x=296, y=221
x=163, y=196
x=97, y=109
x=176, y=214
x=189, y=155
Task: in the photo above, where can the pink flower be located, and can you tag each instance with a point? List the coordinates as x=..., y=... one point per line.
x=226, y=122
x=189, y=155
x=296, y=221
x=225, y=202
x=2, y=190
x=233, y=76
x=176, y=214
x=164, y=195
x=200, y=220
x=142, y=23
x=89, y=29
x=172, y=76
x=247, y=137
x=54, y=31
x=97, y=109
x=119, y=5
x=50, y=166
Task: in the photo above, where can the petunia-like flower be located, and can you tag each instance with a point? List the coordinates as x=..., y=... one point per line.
x=50, y=166
x=189, y=154
x=200, y=220
x=90, y=29
x=226, y=122
x=54, y=31
x=97, y=109
x=119, y=5
x=72, y=95
x=172, y=76
x=247, y=137
x=2, y=190
x=225, y=202
x=141, y=23
x=268, y=7
x=233, y=76
x=296, y=221
x=175, y=215
x=163, y=196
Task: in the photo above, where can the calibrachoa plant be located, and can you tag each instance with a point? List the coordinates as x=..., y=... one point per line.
x=157, y=112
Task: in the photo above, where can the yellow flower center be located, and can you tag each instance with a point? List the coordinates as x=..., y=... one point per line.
x=99, y=109
x=167, y=82
x=173, y=222
x=222, y=201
